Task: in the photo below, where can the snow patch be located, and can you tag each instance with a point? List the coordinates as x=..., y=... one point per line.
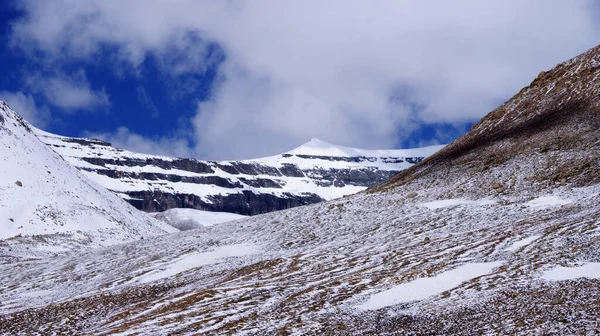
x=425, y=287
x=433, y=205
x=38, y=293
x=198, y=259
x=188, y=219
x=524, y=242
x=547, y=201
x=588, y=270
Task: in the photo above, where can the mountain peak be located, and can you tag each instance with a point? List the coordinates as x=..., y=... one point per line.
x=318, y=147
x=322, y=148
x=317, y=142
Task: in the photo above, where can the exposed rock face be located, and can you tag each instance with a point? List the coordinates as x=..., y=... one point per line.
x=309, y=174
x=246, y=202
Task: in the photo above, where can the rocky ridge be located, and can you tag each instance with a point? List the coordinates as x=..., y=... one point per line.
x=553, y=119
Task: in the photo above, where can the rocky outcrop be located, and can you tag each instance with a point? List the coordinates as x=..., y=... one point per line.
x=244, y=203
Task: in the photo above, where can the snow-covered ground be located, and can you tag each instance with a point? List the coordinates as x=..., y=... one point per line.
x=360, y=260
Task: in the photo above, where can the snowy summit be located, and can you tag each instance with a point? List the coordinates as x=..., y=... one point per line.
x=319, y=147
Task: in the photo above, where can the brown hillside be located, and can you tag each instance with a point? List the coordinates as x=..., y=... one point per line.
x=558, y=112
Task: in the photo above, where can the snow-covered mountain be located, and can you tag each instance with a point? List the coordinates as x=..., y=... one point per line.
x=311, y=173
x=496, y=234
x=43, y=195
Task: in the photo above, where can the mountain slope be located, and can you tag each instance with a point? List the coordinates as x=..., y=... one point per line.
x=311, y=173
x=553, y=120
x=41, y=194
x=484, y=237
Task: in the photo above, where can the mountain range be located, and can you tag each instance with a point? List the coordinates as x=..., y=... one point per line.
x=311, y=173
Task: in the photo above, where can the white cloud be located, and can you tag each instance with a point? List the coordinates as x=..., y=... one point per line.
x=26, y=106
x=68, y=92
x=124, y=138
x=347, y=71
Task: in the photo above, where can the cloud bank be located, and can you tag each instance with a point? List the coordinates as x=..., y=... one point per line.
x=351, y=72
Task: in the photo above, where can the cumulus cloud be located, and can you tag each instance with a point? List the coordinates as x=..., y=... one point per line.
x=353, y=72
x=68, y=92
x=27, y=107
x=124, y=138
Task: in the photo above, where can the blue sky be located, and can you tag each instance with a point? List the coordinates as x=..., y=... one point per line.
x=144, y=102
x=242, y=79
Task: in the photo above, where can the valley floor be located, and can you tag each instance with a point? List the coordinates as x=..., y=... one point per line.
x=384, y=263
